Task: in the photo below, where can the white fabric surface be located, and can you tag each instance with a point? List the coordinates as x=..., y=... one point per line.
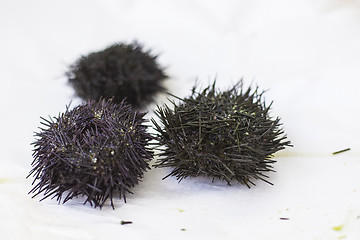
x=305, y=53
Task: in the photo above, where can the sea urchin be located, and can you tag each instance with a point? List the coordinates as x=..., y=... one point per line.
x=119, y=71
x=223, y=135
x=95, y=150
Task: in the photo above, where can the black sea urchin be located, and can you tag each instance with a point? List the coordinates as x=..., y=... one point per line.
x=120, y=71
x=94, y=150
x=223, y=135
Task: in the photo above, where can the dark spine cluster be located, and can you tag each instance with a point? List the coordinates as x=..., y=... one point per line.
x=96, y=150
x=119, y=71
x=225, y=135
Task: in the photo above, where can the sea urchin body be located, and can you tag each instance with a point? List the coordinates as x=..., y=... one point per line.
x=95, y=150
x=119, y=71
x=223, y=135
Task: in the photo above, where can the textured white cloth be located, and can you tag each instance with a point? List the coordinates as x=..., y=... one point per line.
x=305, y=53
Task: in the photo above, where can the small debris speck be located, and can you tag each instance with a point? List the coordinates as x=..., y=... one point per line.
x=341, y=151
x=284, y=218
x=183, y=229
x=181, y=210
x=125, y=222
x=338, y=228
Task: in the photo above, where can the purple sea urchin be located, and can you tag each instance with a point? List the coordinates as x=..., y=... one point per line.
x=223, y=135
x=94, y=150
x=119, y=71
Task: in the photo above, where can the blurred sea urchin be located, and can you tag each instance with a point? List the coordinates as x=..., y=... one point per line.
x=119, y=71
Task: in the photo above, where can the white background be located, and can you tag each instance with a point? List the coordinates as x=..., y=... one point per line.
x=305, y=53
